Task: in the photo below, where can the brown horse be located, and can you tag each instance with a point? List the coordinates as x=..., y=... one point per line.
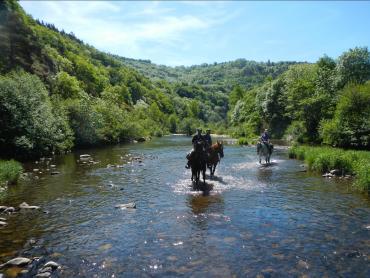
x=215, y=153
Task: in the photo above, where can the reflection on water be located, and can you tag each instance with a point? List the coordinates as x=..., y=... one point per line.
x=249, y=220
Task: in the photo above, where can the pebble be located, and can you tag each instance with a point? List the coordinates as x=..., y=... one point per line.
x=85, y=157
x=2, y=219
x=55, y=173
x=43, y=275
x=45, y=269
x=16, y=262
x=126, y=206
x=303, y=264
x=52, y=264
x=2, y=223
x=9, y=209
x=24, y=205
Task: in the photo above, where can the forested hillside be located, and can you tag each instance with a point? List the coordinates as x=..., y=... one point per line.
x=326, y=102
x=56, y=93
x=213, y=77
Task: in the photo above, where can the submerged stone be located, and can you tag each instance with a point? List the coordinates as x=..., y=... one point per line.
x=126, y=206
x=24, y=205
x=20, y=261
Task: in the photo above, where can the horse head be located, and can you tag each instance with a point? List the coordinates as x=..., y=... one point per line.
x=220, y=148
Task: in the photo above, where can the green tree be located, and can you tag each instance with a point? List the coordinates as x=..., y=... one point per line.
x=354, y=66
x=350, y=126
x=67, y=86
x=27, y=122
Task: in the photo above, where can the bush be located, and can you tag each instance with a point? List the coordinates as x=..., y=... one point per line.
x=323, y=159
x=243, y=141
x=10, y=171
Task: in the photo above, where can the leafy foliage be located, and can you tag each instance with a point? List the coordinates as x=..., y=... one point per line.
x=10, y=171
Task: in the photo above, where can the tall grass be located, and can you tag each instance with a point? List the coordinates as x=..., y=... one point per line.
x=10, y=171
x=323, y=159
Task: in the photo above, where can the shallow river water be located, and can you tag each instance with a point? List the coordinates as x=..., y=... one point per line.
x=274, y=221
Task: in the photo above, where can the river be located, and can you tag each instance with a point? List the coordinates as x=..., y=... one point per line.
x=269, y=221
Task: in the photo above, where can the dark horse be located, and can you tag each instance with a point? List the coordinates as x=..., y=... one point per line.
x=215, y=153
x=198, y=163
x=264, y=150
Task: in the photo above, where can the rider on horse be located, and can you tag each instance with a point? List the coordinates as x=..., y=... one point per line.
x=207, y=139
x=198, y=137
x=265, y=139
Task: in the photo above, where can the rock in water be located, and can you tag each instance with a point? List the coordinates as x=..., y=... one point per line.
x=43, y=275
x=24, y=205
x=2, y=223
x=126, y=206
x=20, y=261
x=9, y=209
x=54, y=173
x=45, y=269
x=85, y=156
x=335, y=172
x=2, y=208
x=51, y=264
x=141, y=139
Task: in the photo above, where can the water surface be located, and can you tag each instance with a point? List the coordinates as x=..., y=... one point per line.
x=272, y=221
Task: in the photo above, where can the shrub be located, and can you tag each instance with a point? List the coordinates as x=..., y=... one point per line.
x=323, y=159
x=243, y=141
x=10, y=171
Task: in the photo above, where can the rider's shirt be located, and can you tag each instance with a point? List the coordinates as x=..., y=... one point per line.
x=265, y=137
x=197, y=138
x=208, y=139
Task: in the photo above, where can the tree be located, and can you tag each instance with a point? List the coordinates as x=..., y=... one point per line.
x=236, y=94
x=354, y=66
x=27, y=122
x=350, y=126
x=67, y=86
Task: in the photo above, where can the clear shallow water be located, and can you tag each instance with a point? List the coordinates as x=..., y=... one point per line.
x=274, y=221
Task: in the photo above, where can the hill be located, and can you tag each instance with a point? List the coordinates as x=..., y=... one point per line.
x=213, y=77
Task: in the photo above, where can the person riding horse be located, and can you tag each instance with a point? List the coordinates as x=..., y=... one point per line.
x=265, y=139
x=198, y=137
x=208, y=139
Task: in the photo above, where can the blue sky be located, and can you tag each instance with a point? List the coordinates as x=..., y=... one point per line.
x=186, y=33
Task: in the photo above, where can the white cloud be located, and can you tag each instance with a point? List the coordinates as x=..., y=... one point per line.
x=129, y=29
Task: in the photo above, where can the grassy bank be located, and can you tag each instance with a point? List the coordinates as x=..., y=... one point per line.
x=324, y=159
x=10, y=171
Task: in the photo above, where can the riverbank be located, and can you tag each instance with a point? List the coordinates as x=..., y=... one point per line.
x=338, y=161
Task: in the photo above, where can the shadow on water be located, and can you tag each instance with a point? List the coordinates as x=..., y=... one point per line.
x=206, y=204
x=206, y=187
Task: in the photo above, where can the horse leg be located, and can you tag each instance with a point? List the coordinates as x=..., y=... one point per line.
x=204, y=176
